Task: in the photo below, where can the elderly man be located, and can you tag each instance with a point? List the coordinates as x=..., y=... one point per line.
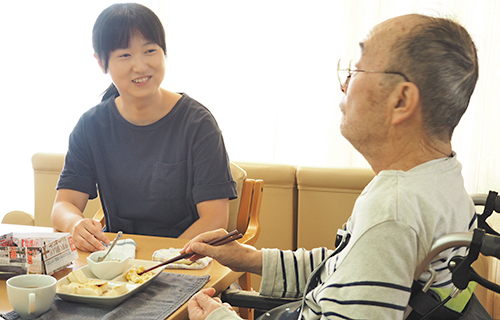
x=402, y=102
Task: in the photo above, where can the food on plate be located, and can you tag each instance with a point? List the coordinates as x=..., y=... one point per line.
x=116, y=290
x=78, y=276
x=80, y=284
x=94, y=288
x=132, y=274
x=85, y=291
x=69, y=288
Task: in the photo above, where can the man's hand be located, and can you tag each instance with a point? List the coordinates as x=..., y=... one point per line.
x=202, y=304
x=87, y=235
x=239, y=257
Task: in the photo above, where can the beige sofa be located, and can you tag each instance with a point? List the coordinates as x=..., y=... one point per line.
x=46, y=170
x=301, y=207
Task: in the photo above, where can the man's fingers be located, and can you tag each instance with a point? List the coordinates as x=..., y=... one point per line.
x=201, y=305
x=203, y=238
x=209, y=291
x=220, y=253
x=206, y=302
x=196, y=257
x=202, y=250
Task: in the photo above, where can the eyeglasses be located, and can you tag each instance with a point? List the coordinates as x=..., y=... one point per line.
x=344, y=74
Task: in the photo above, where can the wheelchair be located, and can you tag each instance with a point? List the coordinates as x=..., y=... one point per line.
x=483, y=240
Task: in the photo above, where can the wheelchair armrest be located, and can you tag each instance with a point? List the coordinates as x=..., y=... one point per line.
x=252, y=299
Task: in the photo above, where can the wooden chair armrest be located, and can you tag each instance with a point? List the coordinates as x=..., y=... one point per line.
x=99, y=216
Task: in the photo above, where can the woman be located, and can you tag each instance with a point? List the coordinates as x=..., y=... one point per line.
x=157, y=157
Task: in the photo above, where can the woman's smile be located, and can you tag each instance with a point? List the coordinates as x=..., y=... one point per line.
x=142, y=80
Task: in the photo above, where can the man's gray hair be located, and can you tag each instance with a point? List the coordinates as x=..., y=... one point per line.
x=439, y=56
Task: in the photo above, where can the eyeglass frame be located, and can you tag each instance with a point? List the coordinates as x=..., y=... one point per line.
x=343, y=85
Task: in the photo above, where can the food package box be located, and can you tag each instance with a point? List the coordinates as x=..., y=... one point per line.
x=35, y=253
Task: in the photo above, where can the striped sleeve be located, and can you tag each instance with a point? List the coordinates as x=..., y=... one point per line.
x=286, y=272
x=373, y=279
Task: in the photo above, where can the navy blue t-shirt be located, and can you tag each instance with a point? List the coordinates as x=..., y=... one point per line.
x=151, y=177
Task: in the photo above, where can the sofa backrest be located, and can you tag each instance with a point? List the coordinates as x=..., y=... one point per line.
x=326, y=198
x=278, y=212
x=47, y=167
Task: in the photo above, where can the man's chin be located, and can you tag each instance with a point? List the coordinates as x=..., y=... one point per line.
x=345, y=133
x=342, y=130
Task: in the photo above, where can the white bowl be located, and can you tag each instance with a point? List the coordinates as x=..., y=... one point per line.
x=114, y=265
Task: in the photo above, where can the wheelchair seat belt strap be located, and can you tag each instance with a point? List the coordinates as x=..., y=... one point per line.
x=489, y=208
x=314, y=277
x=423, y=302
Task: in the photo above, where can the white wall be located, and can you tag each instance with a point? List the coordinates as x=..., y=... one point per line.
x=264, y=66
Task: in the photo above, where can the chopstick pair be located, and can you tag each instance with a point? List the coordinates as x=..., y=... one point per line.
x=231, y=236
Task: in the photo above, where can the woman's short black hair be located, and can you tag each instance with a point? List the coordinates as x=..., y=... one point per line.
x=116, y=25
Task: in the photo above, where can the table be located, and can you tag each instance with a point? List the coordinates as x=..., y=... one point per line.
x=220, y=277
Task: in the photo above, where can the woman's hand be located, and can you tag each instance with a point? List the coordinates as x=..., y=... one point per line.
x=67, y=216
x=239, y=257
x=87, y=235
x=202, y=304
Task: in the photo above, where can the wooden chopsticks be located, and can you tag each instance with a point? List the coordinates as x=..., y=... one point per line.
x=231, y=236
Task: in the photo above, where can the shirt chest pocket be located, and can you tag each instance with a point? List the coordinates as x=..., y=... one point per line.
x=168, y=181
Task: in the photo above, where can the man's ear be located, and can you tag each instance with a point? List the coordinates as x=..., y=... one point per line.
x=101, y=65
x=405, y=99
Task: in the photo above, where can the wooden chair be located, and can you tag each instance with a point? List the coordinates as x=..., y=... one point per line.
x=249, y=226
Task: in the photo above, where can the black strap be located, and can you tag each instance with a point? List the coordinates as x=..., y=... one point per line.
x=423, y=302
x=293, y=310
x=489, y=207
x=314, y=277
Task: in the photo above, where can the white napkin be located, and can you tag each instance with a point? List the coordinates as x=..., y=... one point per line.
x=126, y=246
x=165, y=254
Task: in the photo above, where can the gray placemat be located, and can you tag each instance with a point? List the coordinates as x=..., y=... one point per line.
x=157, y=301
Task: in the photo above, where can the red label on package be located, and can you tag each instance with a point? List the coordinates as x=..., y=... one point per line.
x=30, y=254
x=71, y=244
x=13, y=253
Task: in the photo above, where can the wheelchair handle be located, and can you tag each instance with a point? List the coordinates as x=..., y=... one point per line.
x=452, y=240
x=480, y=200
x=491, y=246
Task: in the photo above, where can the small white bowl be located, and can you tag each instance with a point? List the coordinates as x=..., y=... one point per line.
x=114, y=264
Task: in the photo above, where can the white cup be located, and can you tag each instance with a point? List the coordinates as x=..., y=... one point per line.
x=31, y=295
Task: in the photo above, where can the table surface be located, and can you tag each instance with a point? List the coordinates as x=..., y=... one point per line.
x=220, y=277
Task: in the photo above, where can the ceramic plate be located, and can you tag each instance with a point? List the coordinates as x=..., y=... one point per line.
x=116, y=300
